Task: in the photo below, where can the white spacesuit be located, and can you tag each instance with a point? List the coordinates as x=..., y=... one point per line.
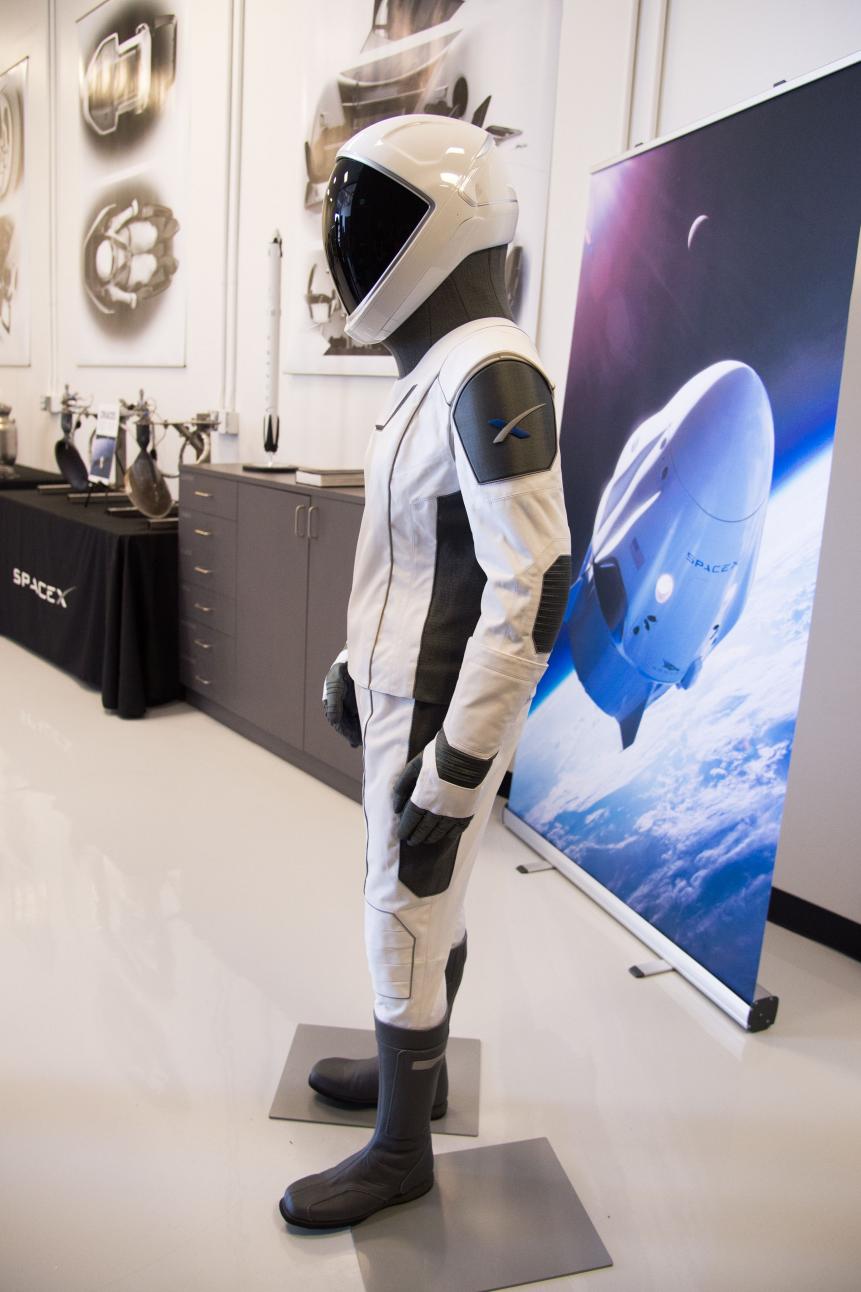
x=460, y=581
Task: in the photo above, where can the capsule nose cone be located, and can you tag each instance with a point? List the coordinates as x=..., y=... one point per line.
x=723, y=445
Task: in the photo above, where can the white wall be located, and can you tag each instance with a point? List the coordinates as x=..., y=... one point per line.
x=24, y=34
x=720, y=52
x=629, y=69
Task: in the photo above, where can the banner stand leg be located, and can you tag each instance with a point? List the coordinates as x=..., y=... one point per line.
x=533, y=867
x=651, y=968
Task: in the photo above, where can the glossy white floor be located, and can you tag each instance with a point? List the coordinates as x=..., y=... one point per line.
x=173, y=900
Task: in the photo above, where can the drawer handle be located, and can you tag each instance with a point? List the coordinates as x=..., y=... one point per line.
x=207, y=610
x=201, y=680
x=204, y=533
x=200, y=569
x=202, y=645
x=312, y=512
x=201, y=493
x=297, y=516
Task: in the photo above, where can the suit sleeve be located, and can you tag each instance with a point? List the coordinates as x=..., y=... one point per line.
x=505, y=445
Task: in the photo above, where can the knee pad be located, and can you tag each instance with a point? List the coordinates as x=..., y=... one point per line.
x=391, y=953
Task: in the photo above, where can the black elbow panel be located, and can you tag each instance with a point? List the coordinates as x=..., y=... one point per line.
x=458, y=768
x=555, y=587
x=506, y=422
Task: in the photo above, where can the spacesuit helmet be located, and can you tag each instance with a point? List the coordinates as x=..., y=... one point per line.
x=410, y=198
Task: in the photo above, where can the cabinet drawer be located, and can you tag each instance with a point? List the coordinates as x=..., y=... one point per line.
x=206, y=660
x=210, y=567
x=211, y=533
x=207, y=494
x=208, y=607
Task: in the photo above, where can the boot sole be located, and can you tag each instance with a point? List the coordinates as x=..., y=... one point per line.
x=438, y=1110
x=348, y=1224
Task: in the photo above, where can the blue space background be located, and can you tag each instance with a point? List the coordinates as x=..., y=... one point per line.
x=684, y=825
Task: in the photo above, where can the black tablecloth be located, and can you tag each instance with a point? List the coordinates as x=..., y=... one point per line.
x=95, y=594
x=28, y=478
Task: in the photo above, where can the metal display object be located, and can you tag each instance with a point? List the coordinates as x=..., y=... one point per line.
x=72, y=466
x=8, y=436
x=143, y=481
x=196, y=435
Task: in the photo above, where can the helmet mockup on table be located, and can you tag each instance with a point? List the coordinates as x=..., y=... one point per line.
x=408, y=200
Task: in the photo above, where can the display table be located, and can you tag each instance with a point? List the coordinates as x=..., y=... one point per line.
x=28, y=478
x=94, y=594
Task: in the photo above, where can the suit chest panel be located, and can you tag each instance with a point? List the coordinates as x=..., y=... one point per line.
x=410, y=460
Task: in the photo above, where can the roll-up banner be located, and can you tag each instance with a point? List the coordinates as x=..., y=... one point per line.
x=696, y=440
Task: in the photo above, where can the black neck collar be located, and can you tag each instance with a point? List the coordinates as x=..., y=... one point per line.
x=474, y=290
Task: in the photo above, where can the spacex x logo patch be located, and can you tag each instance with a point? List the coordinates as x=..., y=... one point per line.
x=44, y=591
x=511, y=428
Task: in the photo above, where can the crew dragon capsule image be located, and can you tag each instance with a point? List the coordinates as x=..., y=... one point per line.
x=675, y=543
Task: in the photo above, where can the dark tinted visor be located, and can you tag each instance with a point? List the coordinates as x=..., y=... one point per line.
x=367, y=220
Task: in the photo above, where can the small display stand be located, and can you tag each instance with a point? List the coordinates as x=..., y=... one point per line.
x=497, y=1217
x=296, y=1101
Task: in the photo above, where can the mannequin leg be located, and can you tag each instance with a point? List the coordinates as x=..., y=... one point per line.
x=356, y=1081
x=408, y=936
x=414, y=896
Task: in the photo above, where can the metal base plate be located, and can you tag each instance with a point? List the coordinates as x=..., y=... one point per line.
x=497, y=1217
x=296, y=1101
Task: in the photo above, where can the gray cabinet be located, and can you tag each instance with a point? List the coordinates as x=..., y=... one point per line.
x=271, y=594
x=333, y=529
x=265, y=570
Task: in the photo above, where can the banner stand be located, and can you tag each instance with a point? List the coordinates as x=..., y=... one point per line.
x=754, y=1017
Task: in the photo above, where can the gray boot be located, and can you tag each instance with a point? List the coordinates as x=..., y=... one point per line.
x=397, y=1165
x=355, y=1081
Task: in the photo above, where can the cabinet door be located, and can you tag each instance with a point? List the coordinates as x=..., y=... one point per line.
x=271, y=592
x=334, y=529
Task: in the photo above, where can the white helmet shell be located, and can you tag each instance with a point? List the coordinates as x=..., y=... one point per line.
x=459, y=198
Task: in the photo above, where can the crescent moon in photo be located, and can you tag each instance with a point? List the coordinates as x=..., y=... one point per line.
x=692, y=231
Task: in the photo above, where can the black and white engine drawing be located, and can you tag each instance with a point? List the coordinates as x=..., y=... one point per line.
x=476, y=60
x=132, y=178
x=128, y=75
x=128, y=255
x=14, y=219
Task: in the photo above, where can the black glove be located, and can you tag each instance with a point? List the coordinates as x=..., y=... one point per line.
x=339, y=704
x=420, y=825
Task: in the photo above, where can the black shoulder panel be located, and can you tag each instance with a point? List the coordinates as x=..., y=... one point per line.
x=505, y=419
